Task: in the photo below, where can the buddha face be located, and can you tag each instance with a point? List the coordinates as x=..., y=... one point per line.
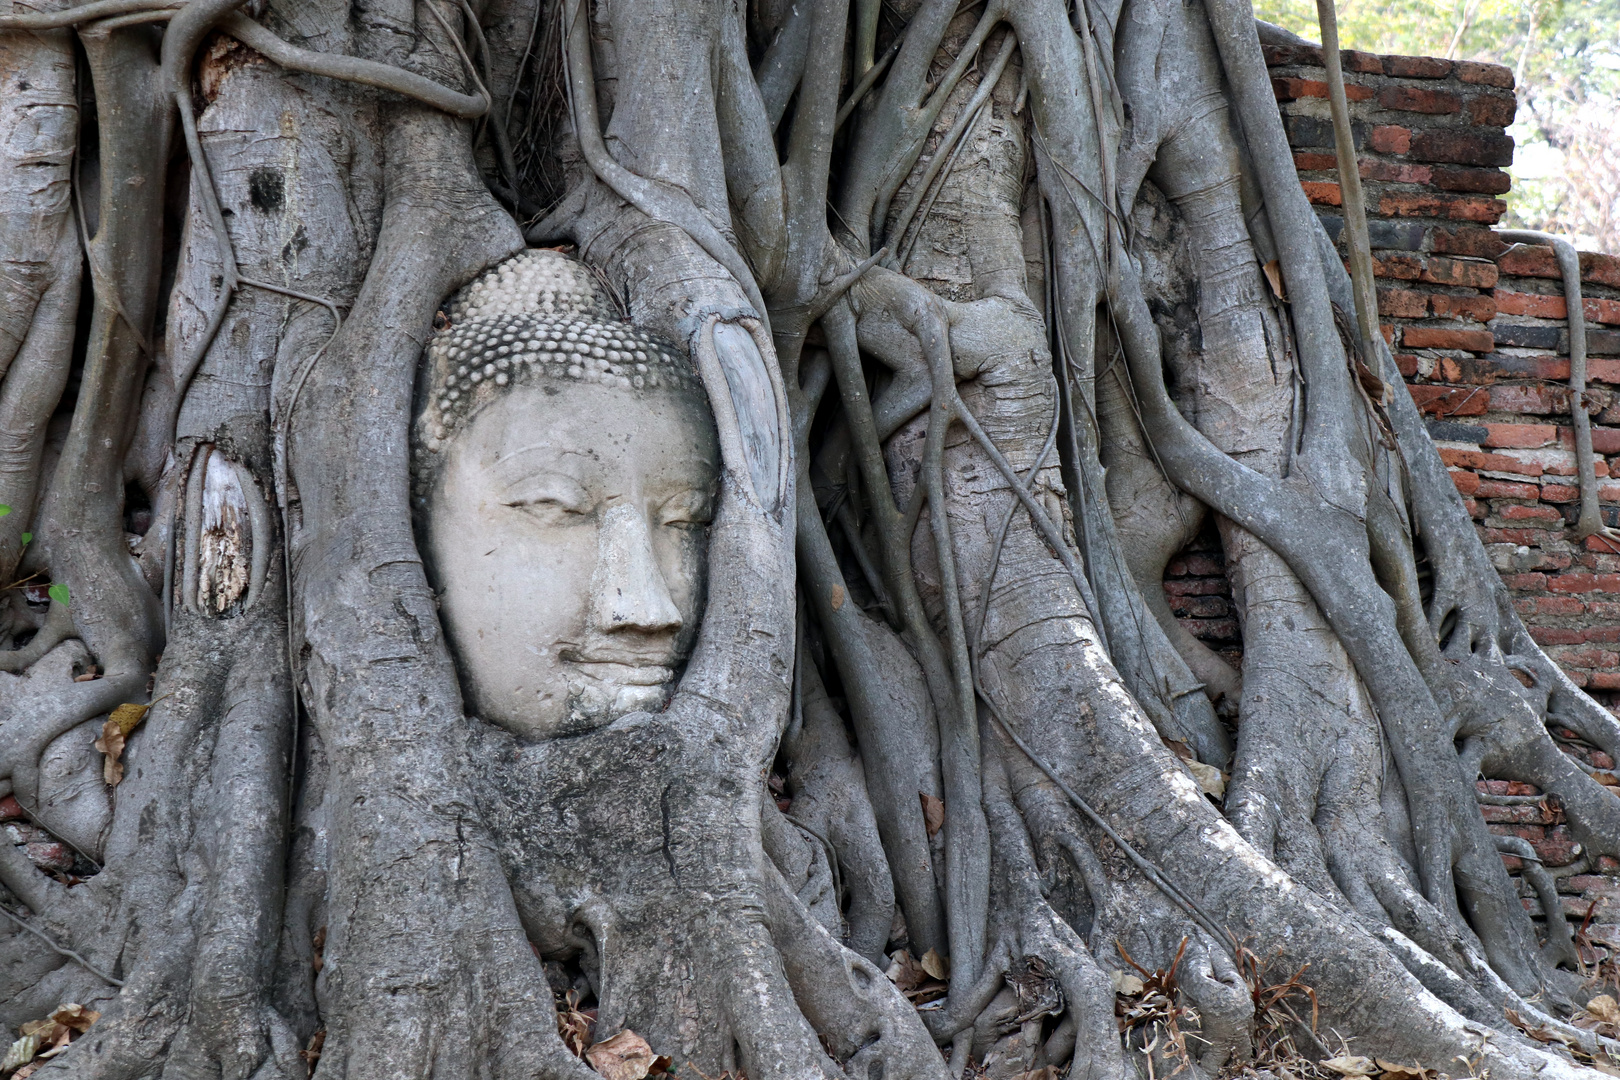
x=567, y=533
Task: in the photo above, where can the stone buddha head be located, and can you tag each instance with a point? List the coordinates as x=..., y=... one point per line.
x=565, y=468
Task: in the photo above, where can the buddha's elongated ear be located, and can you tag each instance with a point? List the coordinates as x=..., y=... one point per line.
x=738, y=365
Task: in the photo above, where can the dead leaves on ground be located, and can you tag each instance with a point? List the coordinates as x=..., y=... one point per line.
x=41, y=1040
x=1352, y=1066
x=921, y=981
x=114, y=733
x=933, y=813
x=1601, y=1016
x=623, y=1056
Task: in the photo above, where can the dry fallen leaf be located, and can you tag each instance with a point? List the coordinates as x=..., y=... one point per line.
x=1605, y=1008
x=936, y=965
x=626, y=1056
x=114, y=733
x=1392, y=1071
x=1346, y=1065
x=22, y=1051
x=905, y=972
x=1211, y=781
x=1275, y=279
x=75, y=1016
x=1126, y=983
x=933, y=813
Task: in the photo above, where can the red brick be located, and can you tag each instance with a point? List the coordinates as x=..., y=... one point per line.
x=1516, y=512
x=1520, y=436
x=1485, y=74
x=1418, y=99
x=1559, y=605
x=1535, y=305
x=1543, y=306
x=1417, y=67
x=1600, y=269
x=1406, y=363
x=1603, y=311
x=1390, y=172
x=1307, y=161
x=1599, y=370
x=1479, y=308
x=1321, y=192
x=1527, y=537
x=1483, y=181
x=1289, y=89
x=1573, y=583
x=51, y=855
x=1445, y=337
x=1525, y=582
x=1449, y=400
x=1474, y=275
x=1402, y=303
x=1536, y=398
x=1430, y=204
x=1467, y=240
x=1459, y=147
x=1606, y=440
x=1390, y=139
x=1477, y=459
x=1605, y=635
x=1492, y=110
x=1361, y=63
x=1559, y=493
x=1528, y=260
x=1290, y=55
x=1467, y=482
x=1501, y=489
x=1198, y=586
x=11, y=809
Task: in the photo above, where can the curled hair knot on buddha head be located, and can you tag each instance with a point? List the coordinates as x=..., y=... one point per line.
x=538, y=315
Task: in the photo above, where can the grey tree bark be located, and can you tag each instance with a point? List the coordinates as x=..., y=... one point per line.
x=975, y=293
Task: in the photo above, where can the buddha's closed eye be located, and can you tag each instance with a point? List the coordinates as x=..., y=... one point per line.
x=553, y=497
x=688, y=509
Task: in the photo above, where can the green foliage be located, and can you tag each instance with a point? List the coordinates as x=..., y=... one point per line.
x=59, y=592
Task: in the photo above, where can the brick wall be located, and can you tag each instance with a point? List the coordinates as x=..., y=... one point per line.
x=1478, y=330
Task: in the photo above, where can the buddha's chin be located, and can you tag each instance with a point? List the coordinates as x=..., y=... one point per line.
x=599, y=694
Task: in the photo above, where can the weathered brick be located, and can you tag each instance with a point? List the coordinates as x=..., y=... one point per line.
x=1479, y=74
x=1402, y=303
x=1538, y=399
x=1520, y=435
x=1417, y=67
x=1322, y=193
x=1452, y=431
x=1446, y=337
x=1391, y=172
x=1398, y=235
x=1482, y=181
x=1467, y=483
x=1525, y=337
x=1308, y=132
x=1473, y=240
x=1606, y=440
x=1478, y=459
x=1600, y=269
x=1492, y=110
x=1525, y=582
x=1310, y=161
x=1407, y=364
x=1434, y=204
x=1559, y=493
x=1479, y=308
x=1449, y=400
x=1403, y=267
x=1362, y=63
x=1458, y=147
x=1472, y=274
x=1391, y=139
x=1418, y=99
x=1600, y=310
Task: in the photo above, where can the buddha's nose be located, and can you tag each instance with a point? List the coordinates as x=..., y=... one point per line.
x=628, y=591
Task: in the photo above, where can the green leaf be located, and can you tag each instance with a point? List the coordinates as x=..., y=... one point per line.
x=4, y=509
x=27, y=538
x=59, y=593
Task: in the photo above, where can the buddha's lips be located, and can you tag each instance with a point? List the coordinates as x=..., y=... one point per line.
x=625, y=667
